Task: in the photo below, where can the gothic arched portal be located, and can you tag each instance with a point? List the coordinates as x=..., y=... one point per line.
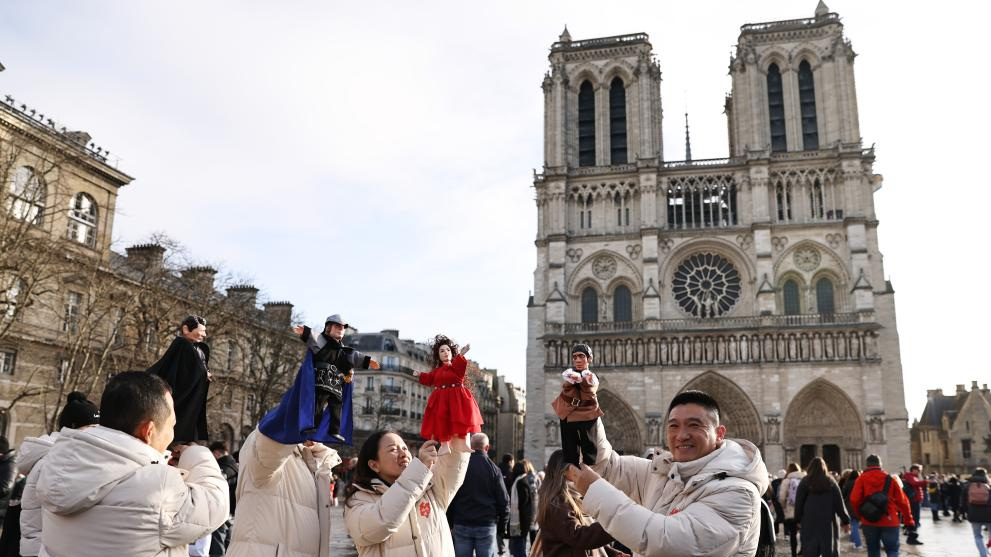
x=737, y=412
x=621, y=424
x=823, y=421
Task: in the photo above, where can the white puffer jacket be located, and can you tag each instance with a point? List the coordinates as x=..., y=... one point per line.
x=32, y=451
x=709, y=506
x=104, y=492
x=409, y=518
x=283, y=499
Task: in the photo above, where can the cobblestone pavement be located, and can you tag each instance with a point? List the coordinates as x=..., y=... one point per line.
x=340, y=543
x=940, y=539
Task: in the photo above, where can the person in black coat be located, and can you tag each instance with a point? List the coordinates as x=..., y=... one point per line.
x=185, y=367
x=817, y=504
x=8, y=474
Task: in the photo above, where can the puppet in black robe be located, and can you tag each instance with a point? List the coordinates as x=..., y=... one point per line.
x=185, y=371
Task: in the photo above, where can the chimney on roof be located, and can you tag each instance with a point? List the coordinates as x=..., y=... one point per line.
x=279, y=313
x=973, y=385
x=146, y=257
x=961, y=389
x=199, y=278
x=243, y=295
x=393, y=332
x=933, y=393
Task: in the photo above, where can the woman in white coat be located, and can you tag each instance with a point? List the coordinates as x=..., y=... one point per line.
x=396, y=504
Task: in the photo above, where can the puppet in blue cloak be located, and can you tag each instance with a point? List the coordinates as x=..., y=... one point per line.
x=318, y=406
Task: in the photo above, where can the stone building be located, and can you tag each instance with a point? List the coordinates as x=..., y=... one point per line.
x=73, y=311
x=392, y=397
x=954, y=433
x=757, y=277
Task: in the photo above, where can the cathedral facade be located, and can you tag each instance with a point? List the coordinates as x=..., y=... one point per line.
x=756, y=278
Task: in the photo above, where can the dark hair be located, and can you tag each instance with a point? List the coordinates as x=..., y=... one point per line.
x=852, y=478
x=132, y=398
x=554, y=495
x=78, y=412
x=873, y=460
x=696, y=397
x=818, y=475
x=192, y=322
x=793, y=467
x=441, y=340
x=363, y=474
x=219, y=446
x=507, y=458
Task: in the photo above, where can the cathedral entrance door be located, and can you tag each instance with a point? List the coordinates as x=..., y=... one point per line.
x=806, y=454
x=831, y=454
x=823, y=421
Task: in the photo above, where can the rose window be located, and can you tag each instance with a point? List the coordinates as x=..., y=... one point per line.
x=706, y=285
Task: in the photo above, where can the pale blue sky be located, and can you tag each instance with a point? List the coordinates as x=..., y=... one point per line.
x=396, y=139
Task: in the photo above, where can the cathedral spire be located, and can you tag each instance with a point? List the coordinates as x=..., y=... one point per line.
x=688, y=141
x=565, y=35
x=822, y=9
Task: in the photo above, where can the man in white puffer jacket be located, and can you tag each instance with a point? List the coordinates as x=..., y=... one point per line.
x=702, y=498
x=108, y=490
x=77, y=413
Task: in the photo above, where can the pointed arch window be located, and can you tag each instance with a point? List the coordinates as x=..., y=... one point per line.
x=807, y=101
x=817, y=201
x=584, y=206
x=617, y=122
x=783, y=199
x=622, y=203
x=82, y=219
x=586, y=124
x=825, y=302
x=622, y=304
x=776, y=109
x=790, y=294
x=27, y=196
x=590, y=305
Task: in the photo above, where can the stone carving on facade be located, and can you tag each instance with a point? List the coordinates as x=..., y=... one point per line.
x=875, y=429
x=779, y=242
x=834, y=240
x=772, y=425
x=574, y=254
x=553, y=438
x=666, y=245
x=745, y=241
x=807, y=258
x=633, y=250
x=654, y=431
x=604, y=267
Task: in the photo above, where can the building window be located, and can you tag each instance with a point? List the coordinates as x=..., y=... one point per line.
x=776, y=109
x=791, y=300
x=701, y=203
x=817, y=201
x=824, y=297
x=117, y=328
x=11, y=299
x=622, y=304
x=807, y=100
x=7, y=360
x=783, y=202
x=369, y=384
x=617, y=122
x=70, y=324
x=965, y=447
x=590, y=305
x=584, y=205
x=622, y=203
x=706, y=285
x=390, y=362
x=28, y=192
x=63, y=371
x=231, y=355
x=586, y=124
x=82, y=219
x=926, y=459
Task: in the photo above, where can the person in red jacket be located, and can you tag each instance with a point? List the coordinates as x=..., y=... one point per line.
x=914, y=485
x=885, y=530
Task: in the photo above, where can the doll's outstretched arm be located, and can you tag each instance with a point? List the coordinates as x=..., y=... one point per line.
x=571, y=377
x=590, y=378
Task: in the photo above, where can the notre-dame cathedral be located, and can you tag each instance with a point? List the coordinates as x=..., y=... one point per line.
x=756, y=278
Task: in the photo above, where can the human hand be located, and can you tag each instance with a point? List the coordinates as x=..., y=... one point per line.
x=373, y=364
x=209, y=377
x=416, y=373
x=571, y=377
x=176, y=454
x=298, y=329
x=582, y=477
x=428, y=453
x=464, y=349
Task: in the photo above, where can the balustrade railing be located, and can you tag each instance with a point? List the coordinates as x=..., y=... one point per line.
x=789, y=23
x=718, y=323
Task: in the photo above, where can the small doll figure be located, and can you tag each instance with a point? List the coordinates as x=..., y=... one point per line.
x=333, y=365
x=578, y=407
x=451, y=409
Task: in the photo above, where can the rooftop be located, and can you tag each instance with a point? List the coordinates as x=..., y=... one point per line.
x=602, y=42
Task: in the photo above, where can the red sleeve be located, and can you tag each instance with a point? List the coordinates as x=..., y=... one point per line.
x=427, y=378
x=897, y=495
x=857, y=496
x=460, y=365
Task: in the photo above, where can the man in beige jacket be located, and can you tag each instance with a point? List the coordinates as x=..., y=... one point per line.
x=701, y=498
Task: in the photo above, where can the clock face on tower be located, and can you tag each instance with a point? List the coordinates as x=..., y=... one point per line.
x=807, y=258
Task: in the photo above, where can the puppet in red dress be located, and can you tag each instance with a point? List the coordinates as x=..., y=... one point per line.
x=451, y=409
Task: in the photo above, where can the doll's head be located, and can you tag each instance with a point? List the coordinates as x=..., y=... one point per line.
x=581, y=357
x=441, y=355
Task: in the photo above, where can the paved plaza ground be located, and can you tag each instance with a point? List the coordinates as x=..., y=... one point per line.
x=941, y=539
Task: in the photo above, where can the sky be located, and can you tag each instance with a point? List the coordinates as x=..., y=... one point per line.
x=375, y=159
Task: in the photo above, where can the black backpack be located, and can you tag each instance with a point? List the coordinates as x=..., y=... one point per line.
x=875, y=506
x=765, y=544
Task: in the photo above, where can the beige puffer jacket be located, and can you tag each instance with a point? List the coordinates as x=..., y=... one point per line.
x=104, y=492
x=283, y=499
x=790, y=482
x=709, y=506
x=408, y=518
x=31, y=453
